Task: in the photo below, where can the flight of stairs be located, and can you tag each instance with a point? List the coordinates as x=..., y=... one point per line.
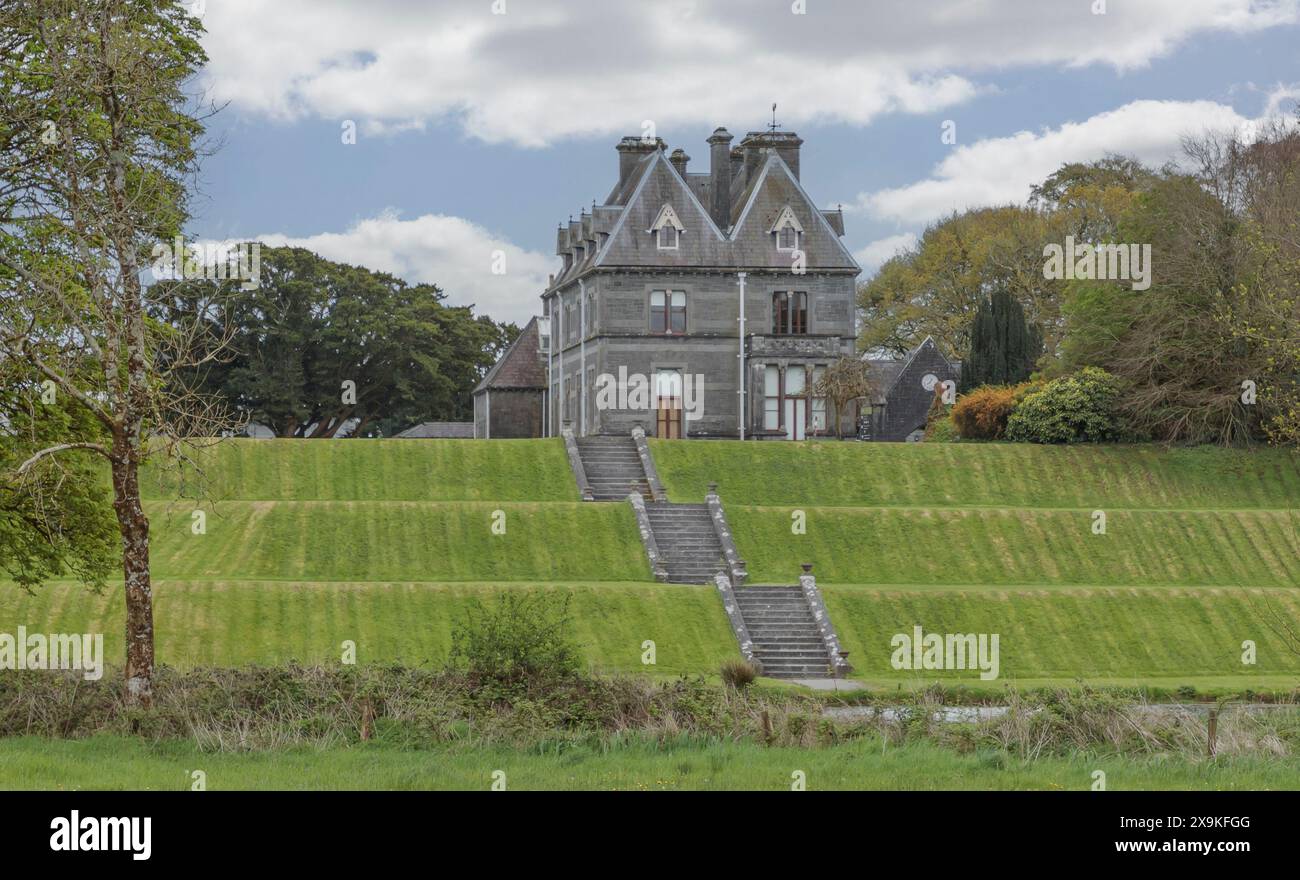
x=613, y=467
x=687, y=542
x=786, y=639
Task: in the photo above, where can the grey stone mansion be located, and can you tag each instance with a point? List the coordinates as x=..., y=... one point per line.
x=695, y=304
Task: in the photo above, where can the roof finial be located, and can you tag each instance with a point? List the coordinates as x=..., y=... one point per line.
x=773, y=127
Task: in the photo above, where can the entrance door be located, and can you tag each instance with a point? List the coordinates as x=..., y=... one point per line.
x=668, y=404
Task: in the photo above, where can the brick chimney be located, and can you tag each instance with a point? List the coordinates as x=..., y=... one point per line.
x=720, y=177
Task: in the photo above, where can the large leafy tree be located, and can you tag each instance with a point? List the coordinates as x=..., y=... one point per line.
x=97, y=140
x=318, y=345
x=936, y=287
x=1223, y=306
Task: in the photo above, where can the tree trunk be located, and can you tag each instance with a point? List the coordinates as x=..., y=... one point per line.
x=134, y=526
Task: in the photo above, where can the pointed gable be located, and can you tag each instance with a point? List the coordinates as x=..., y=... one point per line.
x=521, y=367
x=776, y=197
x=662, y=197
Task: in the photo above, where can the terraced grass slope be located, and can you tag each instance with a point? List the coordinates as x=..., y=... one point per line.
x=307, y=543
x=230, y=621
x=371, y=470
x=827, y=474
x=1201, y=549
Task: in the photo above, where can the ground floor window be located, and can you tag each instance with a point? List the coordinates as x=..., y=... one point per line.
x=818, y=403
x=790, y=402
x=771, y=398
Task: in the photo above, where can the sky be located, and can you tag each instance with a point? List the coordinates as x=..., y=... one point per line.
x=480, y=125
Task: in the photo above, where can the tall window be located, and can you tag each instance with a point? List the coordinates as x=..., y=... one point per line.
x=789, y=312
x=667, y=238
x=818, y=403
x=771, y=398
x=668, y=311
x=787, y=238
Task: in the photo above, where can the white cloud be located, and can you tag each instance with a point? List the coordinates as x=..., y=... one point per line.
x=1001, y=170
x=550, y=69
x=872, y=256
x=451, y=252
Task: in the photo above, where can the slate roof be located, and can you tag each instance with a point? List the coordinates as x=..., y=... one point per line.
x=614, y=233
x=522, y=367
x=885, y=371
x=440, y=431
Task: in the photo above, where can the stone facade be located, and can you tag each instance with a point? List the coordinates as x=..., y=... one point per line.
x=651, y=287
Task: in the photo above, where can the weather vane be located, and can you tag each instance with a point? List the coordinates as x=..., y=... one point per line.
x=774, y=125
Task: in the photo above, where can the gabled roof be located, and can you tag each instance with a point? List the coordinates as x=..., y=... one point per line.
x=521, y=367
x=774, y=164
x=645, y=172
x=887, y=371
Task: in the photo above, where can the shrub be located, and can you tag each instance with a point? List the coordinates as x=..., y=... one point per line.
x=739, y=674
x=523, y=635
x=938, y=420
x=1074, y=409
x=982, y=414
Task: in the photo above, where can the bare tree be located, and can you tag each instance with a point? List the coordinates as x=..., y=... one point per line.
x=98, y=139
x=843, y=382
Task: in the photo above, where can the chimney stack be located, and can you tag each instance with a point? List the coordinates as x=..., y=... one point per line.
x=679, y=160
x=631, y=150
x=720, y=177
x=785, y=143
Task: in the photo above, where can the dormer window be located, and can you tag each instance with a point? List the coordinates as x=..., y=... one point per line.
x=787, y=230
x=667, y=229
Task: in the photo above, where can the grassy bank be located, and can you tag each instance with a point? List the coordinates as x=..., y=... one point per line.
x=1178, y=635
x=829, y=474
x=232, y=622
x=121, y=763
x=398, y=540
x=373, y=470
x=1022, y=546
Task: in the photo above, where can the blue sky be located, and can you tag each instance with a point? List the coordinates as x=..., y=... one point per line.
x=480, y=131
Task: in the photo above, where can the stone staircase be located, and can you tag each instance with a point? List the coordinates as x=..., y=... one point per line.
x=787, y=641
x=687, y=541
x=613, y=467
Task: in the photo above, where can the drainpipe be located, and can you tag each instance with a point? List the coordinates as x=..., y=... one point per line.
x=550, y=364
x=740, y=357
x=560, y=315
x=582, y=356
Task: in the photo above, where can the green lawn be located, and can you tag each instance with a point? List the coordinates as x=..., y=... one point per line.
x=829, y=474
x=373, y=470
x=233, y=622
x=308, y=544
x=120, y=763
x=1020, y=546
x=399, y=540
x=1183, y=636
